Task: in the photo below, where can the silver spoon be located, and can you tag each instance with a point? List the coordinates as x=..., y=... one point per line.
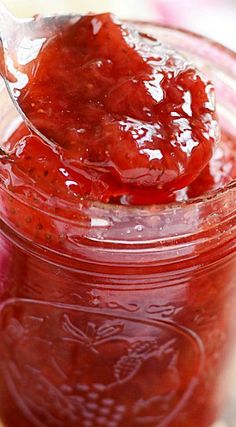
x=20, y=43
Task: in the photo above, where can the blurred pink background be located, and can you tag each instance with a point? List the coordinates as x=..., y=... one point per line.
x=214, y=18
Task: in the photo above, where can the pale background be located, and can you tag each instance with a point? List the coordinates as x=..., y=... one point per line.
x=214, y=18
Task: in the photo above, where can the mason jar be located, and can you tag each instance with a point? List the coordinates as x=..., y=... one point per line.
x=120, y=316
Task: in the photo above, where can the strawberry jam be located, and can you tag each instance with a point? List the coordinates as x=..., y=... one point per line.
x=114, y=314
x=131, y=114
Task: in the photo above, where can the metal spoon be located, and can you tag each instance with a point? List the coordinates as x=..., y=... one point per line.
x=20, y=43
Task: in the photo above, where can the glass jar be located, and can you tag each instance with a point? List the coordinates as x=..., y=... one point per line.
x=120, y=316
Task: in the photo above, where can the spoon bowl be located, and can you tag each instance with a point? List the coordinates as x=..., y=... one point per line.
x=20, y=43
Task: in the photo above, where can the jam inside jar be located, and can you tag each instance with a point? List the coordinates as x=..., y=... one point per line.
x=120, y=316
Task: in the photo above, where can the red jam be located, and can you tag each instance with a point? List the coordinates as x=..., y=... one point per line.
x=133, y=119
x=100, y=328
x=38, y=172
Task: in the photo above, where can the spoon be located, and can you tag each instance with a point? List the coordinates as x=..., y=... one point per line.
x=20, y=43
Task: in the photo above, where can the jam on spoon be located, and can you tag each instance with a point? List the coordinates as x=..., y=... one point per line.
x=129, y=118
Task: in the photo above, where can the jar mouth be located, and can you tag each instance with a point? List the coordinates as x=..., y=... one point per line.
x=145, y=210
x=190, y=33
x=140, y=210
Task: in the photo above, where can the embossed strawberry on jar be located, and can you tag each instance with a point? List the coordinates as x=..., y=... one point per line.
x=95, y=371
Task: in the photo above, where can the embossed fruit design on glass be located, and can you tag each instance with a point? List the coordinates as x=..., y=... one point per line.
x=114, y=314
